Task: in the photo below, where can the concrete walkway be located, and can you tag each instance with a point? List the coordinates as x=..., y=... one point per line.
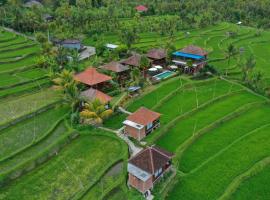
x=132, y=147
x=123, y=110
x=87, y=52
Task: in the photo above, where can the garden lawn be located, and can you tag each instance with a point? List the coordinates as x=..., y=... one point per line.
x=21, y=106
x=186, y=127
x=76, y=166
x=20, y=136
x=256, y=187
x=221, y=137
x=211, y=180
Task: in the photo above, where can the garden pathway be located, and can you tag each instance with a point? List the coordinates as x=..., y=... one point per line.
x=123, y=110
x=132, y=147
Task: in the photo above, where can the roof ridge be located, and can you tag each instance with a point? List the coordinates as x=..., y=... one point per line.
x=160, y=152
x=138, y=154
x=151, y=160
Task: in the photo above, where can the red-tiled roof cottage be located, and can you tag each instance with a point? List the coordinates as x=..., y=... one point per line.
x=145, y=168
x=141, y=8
x=141, y=123
x=92, y=77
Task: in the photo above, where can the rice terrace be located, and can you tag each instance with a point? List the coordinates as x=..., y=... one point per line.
x=134, y=100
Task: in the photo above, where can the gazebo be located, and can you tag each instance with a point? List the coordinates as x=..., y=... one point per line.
x=91, y=77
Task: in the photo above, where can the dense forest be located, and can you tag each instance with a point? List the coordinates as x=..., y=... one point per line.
x=75, y=17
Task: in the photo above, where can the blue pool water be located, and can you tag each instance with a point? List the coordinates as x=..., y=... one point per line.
x=164, y=75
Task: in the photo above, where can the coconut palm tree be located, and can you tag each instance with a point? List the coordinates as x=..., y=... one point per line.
x=95, y=112
x=248, y=67
x=230, y=52
x=135, y=76
x=66, y=82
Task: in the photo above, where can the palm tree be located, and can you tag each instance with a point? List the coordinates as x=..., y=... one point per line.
x=248, y=67
x=66, y=82
x=95, y=112
x=230, y=53
x=135, y=76
x=144, y=64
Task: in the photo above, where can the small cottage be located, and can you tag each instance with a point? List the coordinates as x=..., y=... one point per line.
x=132, y=61
x=147, y=167
x=122, y=71
x=141, y=123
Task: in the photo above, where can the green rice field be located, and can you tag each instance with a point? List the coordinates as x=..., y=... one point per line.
x=217, y=129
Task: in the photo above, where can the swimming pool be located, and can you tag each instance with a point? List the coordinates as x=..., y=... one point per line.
x=164, y=75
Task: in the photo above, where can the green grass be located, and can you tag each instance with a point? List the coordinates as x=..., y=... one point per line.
x=20, y=136
x=23, y=63
x=26, y=88
x=210, y=181
x=256, y=187
x=66, y=174
x=7, y=79
x=35, y=150
x=188, y=99
x=20, y=106
x=188, y=126
x=111, y=179
x=117, y=194
x=220, y=137
x=115, y=121
x=153, y=97
x=11, y=55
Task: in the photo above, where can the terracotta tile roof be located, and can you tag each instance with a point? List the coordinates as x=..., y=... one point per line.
x=115, y=67
x=194, y=50
x=92, y=94
x=141, y=8
x=157, y=54
x=143, y=116
x=132, y=60
x=91, y=77
x=151, y=159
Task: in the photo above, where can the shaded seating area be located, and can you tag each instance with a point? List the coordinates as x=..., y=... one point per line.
x=132, y=61
x=190, y=55
x=147, y=167
x=119, y=69
x=141, y=123
x=158, y=56
x=91, y=77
